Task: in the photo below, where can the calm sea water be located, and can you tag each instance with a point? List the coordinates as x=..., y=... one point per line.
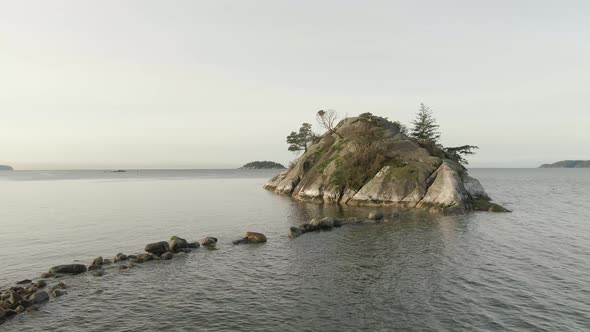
x=524, y=271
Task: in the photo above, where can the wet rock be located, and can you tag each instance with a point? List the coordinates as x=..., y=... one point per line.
x=14, y=298
x=60, y=285
x=309, y=227
x=41, y=284
x=23, y=282
x=353, y=220
x=69, y=269
x=97, y=273
x=186, y=250
x=209, y=241
x=58, y=292
x=176, y=244
x=107, y=261
x=338, y=223
x=145, y=257
x=254, y=237
x=47, y=275
x=131, y=256
x=138, y=260
x=295, y=232
x=32, y=308
x=123, y=267
x=120, y=257
x=327, y=223
x=20, y=309
x=98, y=261
x=94, y=267
x=157, y=248
x=243, y=240
x=39, y=297
x=193, y=245
x=10, y=313
x=375, y=215
x=2, y=313
x=167, y=256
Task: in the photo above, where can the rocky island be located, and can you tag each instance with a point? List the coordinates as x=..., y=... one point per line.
x=6, y=168
x=262, y=165
x=568, y=164
x=370, y=161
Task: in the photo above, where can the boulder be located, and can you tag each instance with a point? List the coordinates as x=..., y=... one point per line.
x=327, y=223
x=167, y=256
x=145, y=257
x=375, y=215
x=123, y=267
x=39, y=297
x=10, y=313
x=209, y=241
x=120, y=257
x=97, y=261
x=94, y=267
x=69, y=269
x=193, y=245
x=176, y=244
x=47, y=275
x=138, y=260
x=311, y=226
x=25, y=281
x=107, y=261
x=254, y=237
x=96, y=273
x=295, y=232
x=41, y=284
x=20, y=309
x=2, y=312
x=58, y=292
x=14, y=298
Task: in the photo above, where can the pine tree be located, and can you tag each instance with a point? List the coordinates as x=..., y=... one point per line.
x=298, y=141
x=425, y=128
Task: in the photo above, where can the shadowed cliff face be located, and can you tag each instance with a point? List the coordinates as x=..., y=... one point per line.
x=368, y=161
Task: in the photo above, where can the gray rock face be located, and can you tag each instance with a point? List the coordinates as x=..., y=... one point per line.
x=157, y=248
x=369, y=162
x=69, y=269
x=120, y=257
x=39, y=297
x=176, y=244
x=295, y=232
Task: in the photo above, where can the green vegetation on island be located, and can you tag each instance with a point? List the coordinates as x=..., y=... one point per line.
x=370, y=160
x=263, y=165
x=568, y=164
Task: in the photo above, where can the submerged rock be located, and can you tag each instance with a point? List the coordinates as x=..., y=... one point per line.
x=167, y=256
x=209, y=241
x=41, y=284
x=58, y=293
x=375, y=215
x=69, y=269
x=25, y=281
x=193, y=245
x=20, y=309
x=97, y=261
x=39, y=297
x=254, y=237
x=47, y=275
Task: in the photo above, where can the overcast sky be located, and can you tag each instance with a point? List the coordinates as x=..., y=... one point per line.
x=201, y=84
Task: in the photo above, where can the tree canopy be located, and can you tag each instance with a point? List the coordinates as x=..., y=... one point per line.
x=298, y=141
x=425, y=127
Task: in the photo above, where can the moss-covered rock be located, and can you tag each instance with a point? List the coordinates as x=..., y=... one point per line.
x=368, y=161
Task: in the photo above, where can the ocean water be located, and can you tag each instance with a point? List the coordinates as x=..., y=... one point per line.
x=524, y=271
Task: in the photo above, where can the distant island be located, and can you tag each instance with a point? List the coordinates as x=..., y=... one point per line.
x=568, y=164
x=263, y=165
x=6, y=168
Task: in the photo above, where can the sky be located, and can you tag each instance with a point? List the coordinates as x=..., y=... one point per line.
x=216, y=84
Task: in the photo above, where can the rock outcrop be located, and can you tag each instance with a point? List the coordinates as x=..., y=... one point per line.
x=368, y=161
x=568, y=164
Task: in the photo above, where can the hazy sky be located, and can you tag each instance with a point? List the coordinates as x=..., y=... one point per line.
x=195, y=84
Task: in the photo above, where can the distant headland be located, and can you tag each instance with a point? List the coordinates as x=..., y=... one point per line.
x=568, y=164
x=6, y=168
x=263, y=165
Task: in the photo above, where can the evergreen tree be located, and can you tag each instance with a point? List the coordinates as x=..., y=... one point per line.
x=425, y=128
x=298, y=141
